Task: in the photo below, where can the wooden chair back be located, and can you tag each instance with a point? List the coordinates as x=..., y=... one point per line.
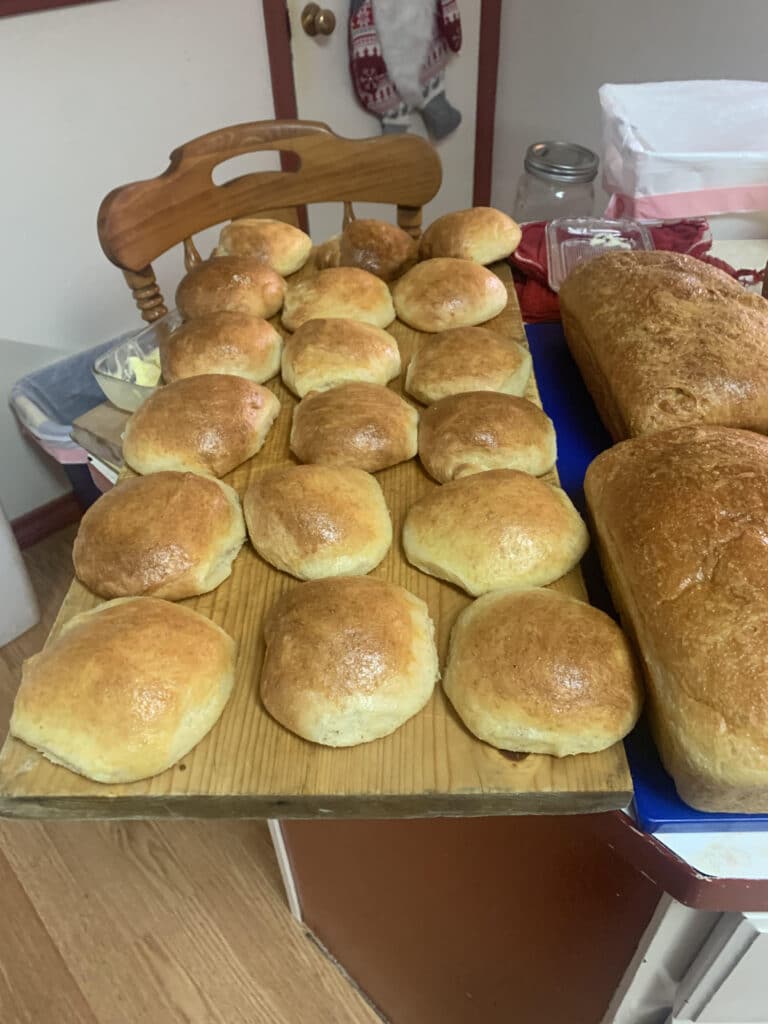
x=140, y=221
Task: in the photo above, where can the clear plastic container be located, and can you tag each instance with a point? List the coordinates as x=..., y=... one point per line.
x=574, y=240
x=558, y=181
x=116, y=370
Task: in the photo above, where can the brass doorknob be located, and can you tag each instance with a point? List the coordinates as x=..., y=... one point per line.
x=316, y=21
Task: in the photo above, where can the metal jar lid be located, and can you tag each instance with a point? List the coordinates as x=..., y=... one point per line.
x=561, y=161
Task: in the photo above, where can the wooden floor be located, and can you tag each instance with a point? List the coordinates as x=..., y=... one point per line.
x=143, y=922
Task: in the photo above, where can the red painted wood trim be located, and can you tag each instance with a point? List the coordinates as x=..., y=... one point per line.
x=485, y=113
x=9, y=7
x=278, y=30
x=42, y=522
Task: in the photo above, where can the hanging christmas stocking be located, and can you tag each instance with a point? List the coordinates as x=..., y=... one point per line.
x=398, y=52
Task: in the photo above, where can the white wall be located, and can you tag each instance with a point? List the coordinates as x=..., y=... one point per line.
x=555, y=55
x=92, y=97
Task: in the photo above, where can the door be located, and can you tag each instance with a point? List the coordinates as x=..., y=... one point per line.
x=324, y=92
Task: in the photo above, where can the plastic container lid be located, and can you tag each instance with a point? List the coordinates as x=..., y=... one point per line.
x=574, y=240
x=561, y=161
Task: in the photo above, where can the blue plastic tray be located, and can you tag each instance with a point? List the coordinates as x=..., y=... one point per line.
x=580, y=437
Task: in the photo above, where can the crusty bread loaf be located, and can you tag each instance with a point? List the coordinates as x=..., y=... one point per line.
x=680, y=522
x=247, y=346
x=365, y=426
x=170, y=535
x=281, y=246
x=540, y=672
x=317, y=521
x=348, y=659
x=380, y=248
x=442, y=293
x=207, y=424
x=238, y=284
x=495, y=530
x=338, y=292
x=467, y=359
x=324, y=353
x=481, y=234
x=479, y=430
x=126, y=690
x=662, y=339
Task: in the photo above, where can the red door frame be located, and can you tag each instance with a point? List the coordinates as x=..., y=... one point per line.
x=283, y=89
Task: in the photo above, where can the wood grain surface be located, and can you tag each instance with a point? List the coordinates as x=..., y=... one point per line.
x=249, y=766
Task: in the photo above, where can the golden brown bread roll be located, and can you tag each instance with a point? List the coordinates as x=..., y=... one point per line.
x=662, y=339
x=348, y=660
x=442, y=293
x=236, y=284
x=481, y=234
x=170, y=535
x=338, y=292
x=328, y=254
x=365, y=426
x=467, y=359
x=479, y=430
x=380, y=248
x=247, y=346
x=324, y=353
x=539, y=672
x=495, y=530
x=281, y=246
x=207, y=424
x=680, y=521
x=126, y=690
x=317, y=521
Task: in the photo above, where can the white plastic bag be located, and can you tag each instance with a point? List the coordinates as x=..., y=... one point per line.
x=685, y=149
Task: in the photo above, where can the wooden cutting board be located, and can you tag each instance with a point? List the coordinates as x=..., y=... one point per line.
x=249, y=766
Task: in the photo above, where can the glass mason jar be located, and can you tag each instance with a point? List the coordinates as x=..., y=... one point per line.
x=558, y=182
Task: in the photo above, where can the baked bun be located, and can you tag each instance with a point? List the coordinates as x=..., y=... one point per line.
x=480, y=430
x=443, y=293
x=247, y=346
x=328, y=254
x=539, y=672
x=207, y=424
x=467, y=359
x=348, y=660
x=235, y=284
x=380, y=248
x=172, y=535
x=324, y=353
x=338, y=292
x=495, y=530
x=126, y=690
x=365, y=426
x=281, y=246
x=316, y=521
x=481, y=234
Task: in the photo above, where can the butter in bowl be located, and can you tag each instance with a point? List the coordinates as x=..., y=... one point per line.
x=130, y=372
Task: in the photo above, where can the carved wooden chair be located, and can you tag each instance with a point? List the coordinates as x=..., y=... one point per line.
x=139, y=222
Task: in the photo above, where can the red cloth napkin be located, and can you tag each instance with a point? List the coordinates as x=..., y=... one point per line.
x=539, y=303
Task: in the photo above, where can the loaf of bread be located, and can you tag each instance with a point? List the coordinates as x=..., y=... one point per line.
x=324, y=353
x=479, y=430
x=380, y=248
x=281, y=246
x=318, y=521
x=170, y=535
x=348, y=660
x=495, y=530
x=238, y=284
x=442, y=293
x=338, y=292
x=467, y=359
x=481, y=234
x=247, y=346
x=663, y=340
x=207, y=424
x=126, y=690
x=681, y=524
x=540, y=672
